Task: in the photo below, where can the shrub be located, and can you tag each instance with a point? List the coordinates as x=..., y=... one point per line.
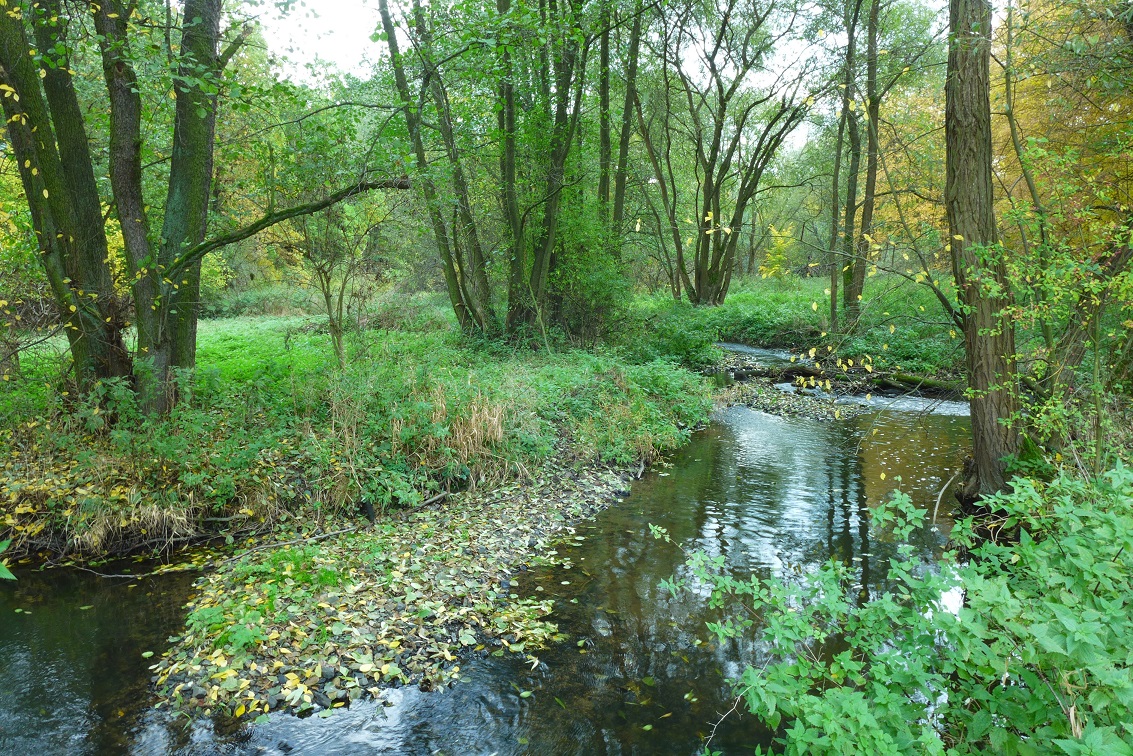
x=1035, y=660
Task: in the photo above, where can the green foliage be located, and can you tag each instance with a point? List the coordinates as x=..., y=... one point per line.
x=901, y=326
x=594, y=293
x=775, y=264
x=5, y=573
x=1035, y=660
x=277, y=299
x=263, y=426
x=672, y=330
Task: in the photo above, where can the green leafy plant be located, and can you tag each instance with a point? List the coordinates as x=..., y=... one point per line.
x=1034, y=660
x=5, y=573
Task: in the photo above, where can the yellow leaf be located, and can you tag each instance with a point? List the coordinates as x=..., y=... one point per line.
x=239, y=711
x=814, y=306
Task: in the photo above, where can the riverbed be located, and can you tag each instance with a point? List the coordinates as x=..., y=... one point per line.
x=639, y=672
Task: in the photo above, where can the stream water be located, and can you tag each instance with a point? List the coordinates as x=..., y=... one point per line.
x=768, y=494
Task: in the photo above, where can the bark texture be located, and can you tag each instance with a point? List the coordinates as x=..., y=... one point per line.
x=981, y=276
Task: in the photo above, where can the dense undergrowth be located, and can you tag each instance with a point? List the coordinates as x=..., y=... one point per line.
x=1030, y=655
x=267, y=424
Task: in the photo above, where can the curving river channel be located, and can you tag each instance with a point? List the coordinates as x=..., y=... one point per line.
x=769, y=494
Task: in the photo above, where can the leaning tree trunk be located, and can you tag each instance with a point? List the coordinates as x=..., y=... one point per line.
x=981, y=276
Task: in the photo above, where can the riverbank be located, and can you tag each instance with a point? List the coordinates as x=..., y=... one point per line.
x=477, y=458
x=322, y=620
x=266, y=428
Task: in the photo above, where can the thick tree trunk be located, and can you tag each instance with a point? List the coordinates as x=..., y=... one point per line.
x=186, y=204
x=981, y=275
x=48, y=138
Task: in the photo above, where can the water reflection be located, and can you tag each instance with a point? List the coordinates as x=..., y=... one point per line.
x=767, y=494
x=71, y=644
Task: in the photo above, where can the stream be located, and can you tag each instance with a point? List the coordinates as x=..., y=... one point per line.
x=769, y=494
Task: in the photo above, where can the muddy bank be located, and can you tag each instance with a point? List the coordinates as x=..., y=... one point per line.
x=313, y=625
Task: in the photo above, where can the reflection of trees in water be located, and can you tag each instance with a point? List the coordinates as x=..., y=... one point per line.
x=78, y=674
x=764, y=494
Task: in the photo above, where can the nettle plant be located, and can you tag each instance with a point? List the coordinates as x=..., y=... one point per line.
x=1035, y=659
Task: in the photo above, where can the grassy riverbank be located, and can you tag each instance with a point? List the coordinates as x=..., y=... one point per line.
x=267, y=426
x=901, y=328
x=272, y=439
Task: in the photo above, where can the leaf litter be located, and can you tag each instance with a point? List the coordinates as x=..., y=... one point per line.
x=312, y=627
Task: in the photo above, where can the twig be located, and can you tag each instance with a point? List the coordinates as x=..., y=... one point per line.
x=434, y=500
x=304, y=539
x=940, y=495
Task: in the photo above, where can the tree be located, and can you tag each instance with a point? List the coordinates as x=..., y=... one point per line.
x=977, y=258
x=733, y=130
x=164, y=242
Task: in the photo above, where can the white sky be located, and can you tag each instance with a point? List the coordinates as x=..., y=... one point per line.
x=332, y=31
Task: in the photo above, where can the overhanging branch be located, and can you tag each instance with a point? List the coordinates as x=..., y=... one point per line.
x=193, y=254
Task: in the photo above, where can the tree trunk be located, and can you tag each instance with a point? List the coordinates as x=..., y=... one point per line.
x=627, y=119
x=49, y=140
x=873, y=116
x=568, y=69
x=849, y=300
x=472, y=272
x=981, y=276
x=412, y=122
x=835, y=212
x=604, y=147
x=506, y=119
